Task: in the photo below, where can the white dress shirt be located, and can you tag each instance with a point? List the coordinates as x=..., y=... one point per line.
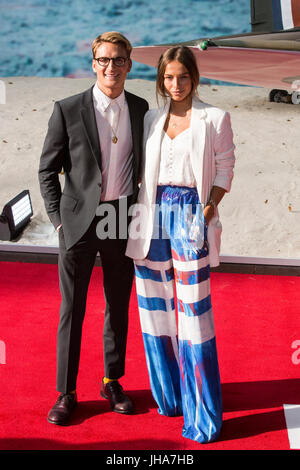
x=175, y=163
x=116, y=159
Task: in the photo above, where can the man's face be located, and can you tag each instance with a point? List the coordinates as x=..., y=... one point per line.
x=111, y=79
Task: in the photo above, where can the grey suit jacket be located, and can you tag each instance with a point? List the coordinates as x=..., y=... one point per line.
x=72, y=144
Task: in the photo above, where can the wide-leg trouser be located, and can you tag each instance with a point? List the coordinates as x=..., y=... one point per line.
x=183, y=366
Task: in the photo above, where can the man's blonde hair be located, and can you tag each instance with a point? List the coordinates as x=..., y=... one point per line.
x=113, y=37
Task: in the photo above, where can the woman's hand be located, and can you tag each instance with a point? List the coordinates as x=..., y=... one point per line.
x=208, y=213
x=216, y=196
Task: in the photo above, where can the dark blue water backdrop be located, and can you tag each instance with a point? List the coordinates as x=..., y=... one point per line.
x=52, y=38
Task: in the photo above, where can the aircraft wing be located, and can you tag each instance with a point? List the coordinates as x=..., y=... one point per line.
x=270, y=60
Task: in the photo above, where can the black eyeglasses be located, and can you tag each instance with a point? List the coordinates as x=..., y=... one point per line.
x=118, y=61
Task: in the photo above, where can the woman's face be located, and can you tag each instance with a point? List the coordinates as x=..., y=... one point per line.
x=177, y=81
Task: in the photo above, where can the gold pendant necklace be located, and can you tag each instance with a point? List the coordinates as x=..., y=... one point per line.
x=114, y=138
x=179, y=118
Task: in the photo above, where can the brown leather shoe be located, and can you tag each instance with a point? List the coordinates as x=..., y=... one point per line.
x=62, y=410
x=119, y=402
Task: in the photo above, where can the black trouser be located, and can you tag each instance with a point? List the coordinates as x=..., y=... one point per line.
x=75, y=269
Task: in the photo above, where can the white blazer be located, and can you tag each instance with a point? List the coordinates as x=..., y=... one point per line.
x=212, y=159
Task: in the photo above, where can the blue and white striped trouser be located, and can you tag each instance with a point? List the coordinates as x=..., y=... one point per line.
x=183, y=367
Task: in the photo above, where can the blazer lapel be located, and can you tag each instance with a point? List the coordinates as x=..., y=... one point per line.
x=133, y=120
x=135, y=133
x=153, y=148
x=88, y=117
x=197, y=149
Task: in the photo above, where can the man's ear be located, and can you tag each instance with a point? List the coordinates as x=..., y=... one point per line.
x=129, y=65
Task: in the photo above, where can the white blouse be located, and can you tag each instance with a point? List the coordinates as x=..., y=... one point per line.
x=175, y=163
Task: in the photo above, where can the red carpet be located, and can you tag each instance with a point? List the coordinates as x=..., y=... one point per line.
x=257, y=320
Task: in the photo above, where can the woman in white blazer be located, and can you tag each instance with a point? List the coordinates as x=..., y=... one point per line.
x=174, y=238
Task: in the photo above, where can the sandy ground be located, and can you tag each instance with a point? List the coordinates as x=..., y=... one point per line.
x=261, y=214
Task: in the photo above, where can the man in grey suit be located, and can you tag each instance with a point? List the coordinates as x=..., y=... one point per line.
x=95, y=138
